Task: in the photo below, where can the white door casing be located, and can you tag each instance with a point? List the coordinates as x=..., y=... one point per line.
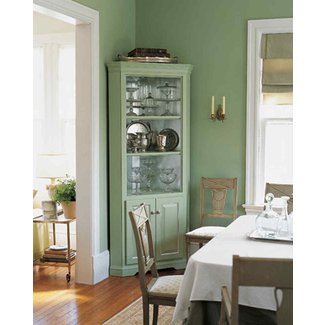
x=91, y=265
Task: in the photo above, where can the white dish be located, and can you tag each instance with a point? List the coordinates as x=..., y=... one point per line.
x=58, y=247
x=138, y=127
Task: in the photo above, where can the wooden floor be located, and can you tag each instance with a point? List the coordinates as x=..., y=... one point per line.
x=57, y=302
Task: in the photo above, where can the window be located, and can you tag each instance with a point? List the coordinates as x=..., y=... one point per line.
x=54, y=100
x=269, y=132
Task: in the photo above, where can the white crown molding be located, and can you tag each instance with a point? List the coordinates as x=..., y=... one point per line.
x=67, y=10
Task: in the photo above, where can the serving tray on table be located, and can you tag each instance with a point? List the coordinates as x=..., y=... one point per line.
x=257, y=236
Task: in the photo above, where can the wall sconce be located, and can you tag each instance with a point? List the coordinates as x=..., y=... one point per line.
x=220, y=114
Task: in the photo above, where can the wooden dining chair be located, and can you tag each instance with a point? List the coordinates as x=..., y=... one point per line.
x=279, y=190
x=259, y=272
x=158, y=290
x=218, y=189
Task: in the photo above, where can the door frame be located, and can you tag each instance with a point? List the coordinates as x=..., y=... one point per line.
x=92, y=265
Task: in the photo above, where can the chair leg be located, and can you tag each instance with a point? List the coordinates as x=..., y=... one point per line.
x=222, y=315
x=155, y=314
x=145, y=307
x=187, y=248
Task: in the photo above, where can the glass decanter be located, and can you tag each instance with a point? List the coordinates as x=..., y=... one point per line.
x=283, y=229
x=267, y=221
x=167, y=176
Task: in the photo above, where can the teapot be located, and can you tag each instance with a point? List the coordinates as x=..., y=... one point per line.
x=129, y=141
x=141, y=142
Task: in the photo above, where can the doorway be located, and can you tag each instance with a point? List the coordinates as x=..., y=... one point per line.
x=91, y=265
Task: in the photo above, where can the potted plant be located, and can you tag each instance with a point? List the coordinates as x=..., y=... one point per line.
x=64, y=193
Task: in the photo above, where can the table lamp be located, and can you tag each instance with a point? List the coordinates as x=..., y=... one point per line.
x=51, y=166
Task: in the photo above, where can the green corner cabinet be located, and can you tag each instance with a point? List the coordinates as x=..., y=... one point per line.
x=148, y=148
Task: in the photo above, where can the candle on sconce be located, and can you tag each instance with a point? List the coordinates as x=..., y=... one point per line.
x=212, y=106
x=223, y=104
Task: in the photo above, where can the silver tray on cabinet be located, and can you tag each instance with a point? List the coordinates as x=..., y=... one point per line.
x=138, y=127
x=256, y=235
x=147, y=59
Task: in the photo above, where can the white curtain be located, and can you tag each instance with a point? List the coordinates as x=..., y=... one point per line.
x=54, y=104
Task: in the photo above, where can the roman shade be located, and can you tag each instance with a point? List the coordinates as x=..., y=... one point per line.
x=277, y=73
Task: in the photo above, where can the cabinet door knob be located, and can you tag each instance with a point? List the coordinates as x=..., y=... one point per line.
x=157, y=212
x=152, y=213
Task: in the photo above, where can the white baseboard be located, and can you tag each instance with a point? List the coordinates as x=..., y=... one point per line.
x=100, y=266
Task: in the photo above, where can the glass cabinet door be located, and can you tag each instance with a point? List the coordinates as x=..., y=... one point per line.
x=153, y=110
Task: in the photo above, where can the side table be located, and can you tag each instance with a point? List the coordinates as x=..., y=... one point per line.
x=60, y=219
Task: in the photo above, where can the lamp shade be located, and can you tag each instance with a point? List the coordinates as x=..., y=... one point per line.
x=51, y=166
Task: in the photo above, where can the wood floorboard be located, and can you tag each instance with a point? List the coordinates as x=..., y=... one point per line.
x=56, y=302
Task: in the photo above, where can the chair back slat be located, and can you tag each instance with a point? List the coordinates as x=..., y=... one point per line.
x=144, y=244
x=218, y=189
x=265, y=272
x=279, y=190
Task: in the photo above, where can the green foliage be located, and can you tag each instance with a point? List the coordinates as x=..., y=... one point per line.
x=65, y=190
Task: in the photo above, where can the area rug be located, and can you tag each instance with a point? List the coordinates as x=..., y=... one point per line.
x=132, y=315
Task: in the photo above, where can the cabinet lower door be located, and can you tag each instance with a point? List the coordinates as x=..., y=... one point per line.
x=170, y=228
x=131, y=250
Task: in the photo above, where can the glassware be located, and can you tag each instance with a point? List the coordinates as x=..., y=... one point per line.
x=267, y=221
x=168, y=91
x=131, y=112
x=145, y=87
x=131, y=90
x=148, y=173
x=290, y=217
x=149, y=104
x=135, y=177
x=144, y=142
x=167, y=176
x=283, y=224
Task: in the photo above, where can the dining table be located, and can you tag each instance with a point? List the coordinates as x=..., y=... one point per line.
x=210, y=268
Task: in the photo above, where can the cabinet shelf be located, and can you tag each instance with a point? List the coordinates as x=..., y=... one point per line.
x=153, y=153
x=167, y=99
x=152, y=117
x=133, y=100
x=153, y=193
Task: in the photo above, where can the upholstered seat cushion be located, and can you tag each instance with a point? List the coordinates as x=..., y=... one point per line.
x=206, y=231
x=166, y=286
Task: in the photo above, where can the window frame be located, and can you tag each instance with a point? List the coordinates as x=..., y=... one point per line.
x=256, y=28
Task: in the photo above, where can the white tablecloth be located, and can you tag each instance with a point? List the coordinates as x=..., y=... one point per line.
x=210, y=268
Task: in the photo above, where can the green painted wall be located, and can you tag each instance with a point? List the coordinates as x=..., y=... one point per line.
x=116, y=35
x=211, y=35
